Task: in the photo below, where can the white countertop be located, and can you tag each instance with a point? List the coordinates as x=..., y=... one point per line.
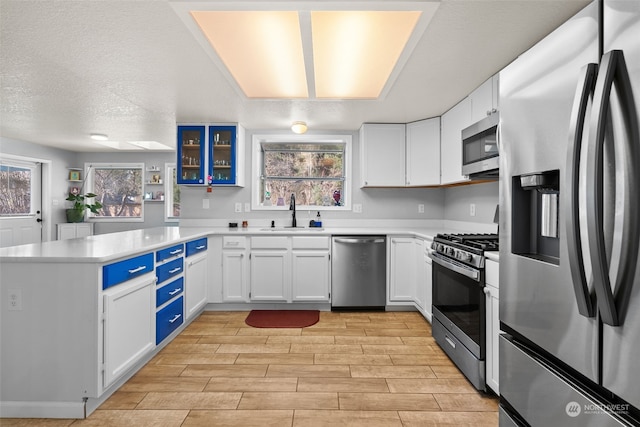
x=112, y=246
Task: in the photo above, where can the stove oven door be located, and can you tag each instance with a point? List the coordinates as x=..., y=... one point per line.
x=459, y=315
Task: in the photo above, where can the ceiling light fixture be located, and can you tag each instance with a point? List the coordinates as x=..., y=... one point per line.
x=299, y=127
x=99, y=137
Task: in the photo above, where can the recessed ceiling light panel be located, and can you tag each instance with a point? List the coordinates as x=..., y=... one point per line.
x=354, y=52
x=261, y=49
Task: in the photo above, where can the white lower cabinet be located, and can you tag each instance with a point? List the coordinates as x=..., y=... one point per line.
x=270, y=278
x=195, y=273
x=421, y=289
x=427, y=277
x=402, y=271
x=310, y=269
x=129, y=325
x=492, y=292
x=73, y=230
x=235, y=272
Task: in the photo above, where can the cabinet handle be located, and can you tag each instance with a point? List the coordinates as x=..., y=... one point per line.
x=135, y=270
x=176, y=317
x=177, y=251
x=201, y=247
x=175, y=270
x=233, y=243
x=175, y=291
x=486, y=291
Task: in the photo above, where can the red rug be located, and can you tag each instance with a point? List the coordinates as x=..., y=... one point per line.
x=282, y=318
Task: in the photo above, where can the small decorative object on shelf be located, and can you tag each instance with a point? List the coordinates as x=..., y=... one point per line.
x=155, y=179
x=74, y=175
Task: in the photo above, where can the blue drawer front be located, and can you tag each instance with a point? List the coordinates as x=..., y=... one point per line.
x=169, y=291
x=195, y=246
x=169, y=319
x=122, y=271
x=163, y=254
x=170, y=269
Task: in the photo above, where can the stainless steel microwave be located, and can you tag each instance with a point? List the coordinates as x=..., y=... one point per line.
x=480, y=151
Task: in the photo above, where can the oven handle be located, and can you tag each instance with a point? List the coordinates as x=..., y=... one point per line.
x=468, y=272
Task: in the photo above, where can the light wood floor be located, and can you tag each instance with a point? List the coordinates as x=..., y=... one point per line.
x=355, y=369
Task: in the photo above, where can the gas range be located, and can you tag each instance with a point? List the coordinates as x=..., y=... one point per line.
x=466, y=248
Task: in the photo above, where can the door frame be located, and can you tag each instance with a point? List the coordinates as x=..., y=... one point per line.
x=45, y=184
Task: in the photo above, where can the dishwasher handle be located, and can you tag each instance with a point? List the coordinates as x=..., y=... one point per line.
x=357, y=240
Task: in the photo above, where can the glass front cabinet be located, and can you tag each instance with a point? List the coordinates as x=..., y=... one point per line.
x=217, y=157
x=191, y=154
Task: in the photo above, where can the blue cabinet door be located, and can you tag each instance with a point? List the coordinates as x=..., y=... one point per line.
x=222, y=157
x=191, y=155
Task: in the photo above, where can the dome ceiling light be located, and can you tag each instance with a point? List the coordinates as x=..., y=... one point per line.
x=299, y=127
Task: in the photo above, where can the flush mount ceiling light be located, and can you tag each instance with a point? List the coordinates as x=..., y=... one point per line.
x=99, y=137
x=329, y=50
x=299, y=127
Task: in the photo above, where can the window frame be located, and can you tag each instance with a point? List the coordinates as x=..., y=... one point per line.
x=168, y=192
x=257, y=167
x=90, y=188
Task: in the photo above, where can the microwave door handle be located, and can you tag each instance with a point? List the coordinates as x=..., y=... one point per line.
x=613, y=69
x=584, y=92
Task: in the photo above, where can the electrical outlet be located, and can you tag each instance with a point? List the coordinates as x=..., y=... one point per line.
x=420, y=208
x=472, y=209
x=357, y=208
x=247, y=207
x=205, y=203
x=15, y=300
x=238, y=207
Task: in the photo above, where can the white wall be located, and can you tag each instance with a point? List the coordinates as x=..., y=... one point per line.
x=458, y=199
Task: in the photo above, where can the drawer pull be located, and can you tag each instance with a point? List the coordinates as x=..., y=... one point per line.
x=175, y=291
x=177, y=251
x=233, y=243
x=175, y=270
x=200, y=247
x=450, y=341
x=135, y=270
x=176, y=317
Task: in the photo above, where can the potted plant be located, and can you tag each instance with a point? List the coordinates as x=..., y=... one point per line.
x=80, y=203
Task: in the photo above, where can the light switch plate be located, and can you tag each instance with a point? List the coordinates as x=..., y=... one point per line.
x=247, y=207
x=205, y=203
x=357, y=208
x=238, y=207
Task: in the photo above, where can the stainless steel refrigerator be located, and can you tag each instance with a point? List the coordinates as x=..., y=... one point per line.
x=570, y=224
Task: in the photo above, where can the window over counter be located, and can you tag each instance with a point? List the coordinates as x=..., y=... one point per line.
x=119, y=187
x=316, y=168
x=172, y=193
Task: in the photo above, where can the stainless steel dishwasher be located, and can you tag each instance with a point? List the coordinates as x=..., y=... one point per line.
x=358, y=272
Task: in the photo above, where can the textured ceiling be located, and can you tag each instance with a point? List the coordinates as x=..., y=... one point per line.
x=132, y=70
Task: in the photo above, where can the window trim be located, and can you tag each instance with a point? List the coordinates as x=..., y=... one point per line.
x=89, y=187
x=168, y=192
x=23, y=164
x=256, y=167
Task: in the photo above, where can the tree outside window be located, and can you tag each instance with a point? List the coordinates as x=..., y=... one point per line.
x=15, y=190
x=119, y=190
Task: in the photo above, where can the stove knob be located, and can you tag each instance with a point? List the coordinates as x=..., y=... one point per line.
x=467, y=257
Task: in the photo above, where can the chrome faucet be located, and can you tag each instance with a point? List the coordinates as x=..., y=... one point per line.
x=292, y=207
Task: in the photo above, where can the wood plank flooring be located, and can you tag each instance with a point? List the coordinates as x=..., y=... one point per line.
x=356, y=369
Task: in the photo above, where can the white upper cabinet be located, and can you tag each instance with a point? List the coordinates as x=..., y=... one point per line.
x=484, y=100
x=453, y=121
x=382, y=155
x=423, y=153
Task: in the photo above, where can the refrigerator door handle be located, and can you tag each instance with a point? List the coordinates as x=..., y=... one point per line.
x=584, y=92
x=613, y=69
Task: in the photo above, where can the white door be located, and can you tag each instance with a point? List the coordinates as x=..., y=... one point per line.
x=20, y=202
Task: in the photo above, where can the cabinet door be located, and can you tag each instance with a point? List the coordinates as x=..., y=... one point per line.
x=423, y=152
x=421, y=290
x=66, y=231
x=453, y=121
x=482, y=101
x=84, y=230
x=270, y=275
x=234, y=276
x=428, y=275
x=493, y=335
x=402, y=281
x=382, y=154
x=310, y=276
x=223, y=146
x=196, y=283
x=129, y=325
x=191, y=160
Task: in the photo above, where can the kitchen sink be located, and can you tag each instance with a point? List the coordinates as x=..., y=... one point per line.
x=292, y=229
